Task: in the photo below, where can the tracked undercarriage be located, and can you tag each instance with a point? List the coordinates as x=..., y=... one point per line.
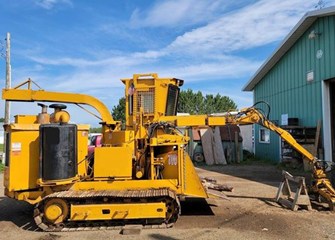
x=93, y=210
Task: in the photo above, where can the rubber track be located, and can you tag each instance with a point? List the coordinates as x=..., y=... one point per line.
x=101, y=225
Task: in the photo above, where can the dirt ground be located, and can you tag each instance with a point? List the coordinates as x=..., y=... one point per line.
x=249, y=212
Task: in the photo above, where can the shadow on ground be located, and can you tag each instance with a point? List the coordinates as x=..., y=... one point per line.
x=18, y=212
x=268, y=201
x=196, y=207
x=161, y=237
x=262, y=173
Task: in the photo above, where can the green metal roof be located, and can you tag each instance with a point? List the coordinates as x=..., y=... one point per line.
x=299, y=29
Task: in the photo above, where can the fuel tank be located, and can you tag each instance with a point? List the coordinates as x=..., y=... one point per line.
x=58, y=152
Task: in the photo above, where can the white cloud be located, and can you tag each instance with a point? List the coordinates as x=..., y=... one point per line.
x=203, y=53
x=171, y=13
x=149, y=54
x=209, y=52
x=229, y=67
x=104, y=74
x=255, y=25
x=49, y=4
x=80, y=62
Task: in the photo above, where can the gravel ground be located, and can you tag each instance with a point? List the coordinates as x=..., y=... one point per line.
x=249, y=212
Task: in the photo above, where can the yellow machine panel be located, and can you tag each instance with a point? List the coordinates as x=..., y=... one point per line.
x=193, y=185
x=27, y=119
x=24, y=154
x=120, y=138
x=170, y=161
x=82, y=139
x=23, y=170
x=113, y=162
x=191, y=121
x=216, y=121
x=117, y=211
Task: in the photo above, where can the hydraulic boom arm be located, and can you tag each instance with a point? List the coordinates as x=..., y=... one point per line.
x=321, y=184
x=252, y=115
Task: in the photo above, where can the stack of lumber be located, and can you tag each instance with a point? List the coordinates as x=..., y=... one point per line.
x=212, y=146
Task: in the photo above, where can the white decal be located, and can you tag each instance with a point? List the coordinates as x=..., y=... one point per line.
x=173, y=159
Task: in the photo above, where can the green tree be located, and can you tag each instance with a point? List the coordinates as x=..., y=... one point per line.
x=95, y=130
x=189, y=102
x=196, y=103
x=119, y=111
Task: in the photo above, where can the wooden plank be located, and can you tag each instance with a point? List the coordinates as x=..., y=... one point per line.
x=287, y=189
x=317, y=138
x=308, y=165
x=206, y=141
x=285, y=203
x=237, y=148
x=219, y=156
x=279, y=192
x=217, y=194
x=216, y=186
x=295, y=206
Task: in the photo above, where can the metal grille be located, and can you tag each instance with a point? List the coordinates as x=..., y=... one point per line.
x=172, y=100
x=146, y=99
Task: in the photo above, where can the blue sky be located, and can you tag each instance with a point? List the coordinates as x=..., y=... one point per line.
x=87, y=46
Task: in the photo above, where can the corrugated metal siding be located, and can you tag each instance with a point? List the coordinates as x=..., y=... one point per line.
x=286, y=89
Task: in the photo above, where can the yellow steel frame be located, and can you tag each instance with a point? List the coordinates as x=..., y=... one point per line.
x=30, y=95
x=194, y=121
x=117, y=211
x=126, y=184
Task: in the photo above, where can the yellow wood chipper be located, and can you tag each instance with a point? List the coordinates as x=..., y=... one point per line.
x=137, y=175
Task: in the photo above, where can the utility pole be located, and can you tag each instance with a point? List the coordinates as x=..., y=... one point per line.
x=8, y=85
x=8, y=79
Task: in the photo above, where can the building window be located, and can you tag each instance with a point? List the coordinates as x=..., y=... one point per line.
x=264, y=135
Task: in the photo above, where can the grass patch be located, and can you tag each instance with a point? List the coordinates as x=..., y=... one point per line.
x=248, y=159
x=258, y=161
x=251, y=159
x=2, y=166
x=293, y=168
